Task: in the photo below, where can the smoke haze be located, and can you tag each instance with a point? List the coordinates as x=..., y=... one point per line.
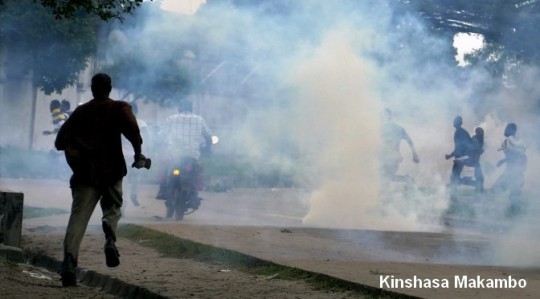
x=320, y=74
x=303, y=86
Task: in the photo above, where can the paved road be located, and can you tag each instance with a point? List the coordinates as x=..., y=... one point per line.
x=268, y=224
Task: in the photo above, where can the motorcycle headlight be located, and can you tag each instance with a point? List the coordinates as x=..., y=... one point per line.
x=176, y=171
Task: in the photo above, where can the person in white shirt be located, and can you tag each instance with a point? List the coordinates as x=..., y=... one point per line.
x=513, y=178
x=186, y=134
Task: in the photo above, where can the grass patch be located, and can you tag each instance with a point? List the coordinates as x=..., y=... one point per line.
x=35, y=212
x=175, y=247
x=171, y=246
x=4, y=262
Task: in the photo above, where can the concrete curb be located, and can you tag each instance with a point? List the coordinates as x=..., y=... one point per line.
x=11, y=253
x=105, y=283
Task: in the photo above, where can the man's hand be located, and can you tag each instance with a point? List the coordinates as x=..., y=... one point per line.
x=141, y=161
x=415, y=158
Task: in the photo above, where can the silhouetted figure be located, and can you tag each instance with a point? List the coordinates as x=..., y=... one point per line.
x=462, y=144
x=475, y=151
x=513, y=178
x=65, y=107
x=58, y=116
x=390, y=156
x=91, y=140
x=134, y=178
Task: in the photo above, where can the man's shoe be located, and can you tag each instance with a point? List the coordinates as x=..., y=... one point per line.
x=111, y=254
x=67, y=274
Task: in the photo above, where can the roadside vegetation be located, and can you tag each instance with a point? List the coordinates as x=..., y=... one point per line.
x=35, y=212
x=175, y=247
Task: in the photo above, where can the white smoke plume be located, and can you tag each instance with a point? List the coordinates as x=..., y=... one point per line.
x=312, y=80
x=322, y=74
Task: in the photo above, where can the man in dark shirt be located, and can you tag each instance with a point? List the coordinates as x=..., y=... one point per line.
x=91, y=140
x=462, y=144
x=475, y=151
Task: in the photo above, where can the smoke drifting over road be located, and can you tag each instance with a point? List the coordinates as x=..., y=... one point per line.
x=300, y=86
x=322, y=72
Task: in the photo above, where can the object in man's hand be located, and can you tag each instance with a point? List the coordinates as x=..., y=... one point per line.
x=142, y=162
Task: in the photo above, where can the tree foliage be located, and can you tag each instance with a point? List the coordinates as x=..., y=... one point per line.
x=54, y=50
x=162, y=81
x=154, y=69
x=104, y=9
x=507, y=24
x=508, y=28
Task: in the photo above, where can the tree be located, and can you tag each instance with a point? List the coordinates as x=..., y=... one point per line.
x=158, y=69
x=505, y=24
x=162, y=81
x=54, y=50
x=104, y=9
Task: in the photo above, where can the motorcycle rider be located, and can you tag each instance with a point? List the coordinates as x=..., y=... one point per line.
x=187, y=134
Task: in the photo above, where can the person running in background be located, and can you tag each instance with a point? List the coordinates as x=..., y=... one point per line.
x=134, y=178
x=462, y=144
x=513, y=178
x=390, y=156
x=65, y=107
x=475, y=151
x=58, y=116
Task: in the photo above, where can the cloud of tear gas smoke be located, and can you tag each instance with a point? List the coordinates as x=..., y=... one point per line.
x=337, y=121
x=517, y=241
x=303, y=84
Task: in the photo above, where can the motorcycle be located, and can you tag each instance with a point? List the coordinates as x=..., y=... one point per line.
x=182, y=197
x=181, y=187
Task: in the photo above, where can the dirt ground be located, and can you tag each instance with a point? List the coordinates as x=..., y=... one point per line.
x=20, y=280
x=168, y=277
x=140, y=265
x=240, y=220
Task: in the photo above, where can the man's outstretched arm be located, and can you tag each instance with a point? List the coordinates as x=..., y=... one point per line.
x=409, y=141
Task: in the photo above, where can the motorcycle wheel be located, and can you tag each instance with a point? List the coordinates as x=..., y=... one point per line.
x=179, y=204
x=170, y=205
x=195, y=201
